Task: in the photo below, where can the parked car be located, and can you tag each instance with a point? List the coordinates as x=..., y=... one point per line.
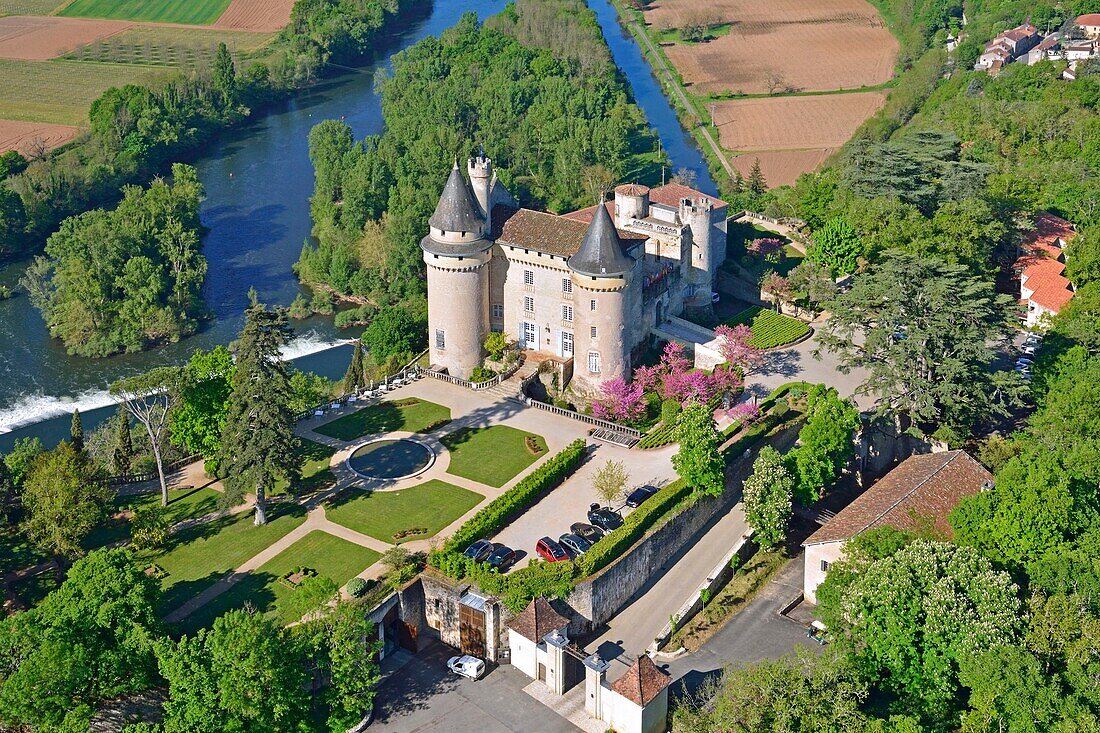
x=575, y=544
x=1033, y=339
x=640, y=494
x=1028, y=349
x=587, y=531
x=479, y=550
x=604, y=518
x=550, y=551
x=467, y=666
x=1024, y=369
x=1023, y=361
x=502, y=557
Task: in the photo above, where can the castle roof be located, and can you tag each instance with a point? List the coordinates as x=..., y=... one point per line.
x=457, y=210
x=601, y=251
x=541, y=232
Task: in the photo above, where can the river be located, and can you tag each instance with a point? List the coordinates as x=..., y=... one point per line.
x=258, y=180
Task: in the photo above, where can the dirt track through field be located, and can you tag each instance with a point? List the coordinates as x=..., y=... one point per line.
x=25, y=136
x=266, y=16
x=29, y=38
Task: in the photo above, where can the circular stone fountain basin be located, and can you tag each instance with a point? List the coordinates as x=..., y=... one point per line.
x=391, y=458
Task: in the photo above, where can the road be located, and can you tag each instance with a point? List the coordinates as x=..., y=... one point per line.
x=758, y=632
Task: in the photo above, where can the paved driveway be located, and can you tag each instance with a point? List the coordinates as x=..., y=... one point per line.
x=425, y=697
x=569, y=502
x=798, y=363
x=758, y=632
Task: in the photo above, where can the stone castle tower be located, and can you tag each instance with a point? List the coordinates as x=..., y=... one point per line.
x=457, y=251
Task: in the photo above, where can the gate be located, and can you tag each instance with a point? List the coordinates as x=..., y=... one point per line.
x=471, y=630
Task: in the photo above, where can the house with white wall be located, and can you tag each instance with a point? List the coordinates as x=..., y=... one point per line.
x=1089, y=23
x=917, y=495
x=1044, y=289
x=1007, y=47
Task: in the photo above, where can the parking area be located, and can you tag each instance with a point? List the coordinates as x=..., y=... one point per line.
x=424, y=696
x=569, y=502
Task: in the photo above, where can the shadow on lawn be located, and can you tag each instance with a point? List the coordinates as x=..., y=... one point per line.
x=383, y=417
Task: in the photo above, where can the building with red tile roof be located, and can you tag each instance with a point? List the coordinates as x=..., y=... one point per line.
x=1089, y=23
x=918, y=495
x=1044, y=289
x=1007, y=47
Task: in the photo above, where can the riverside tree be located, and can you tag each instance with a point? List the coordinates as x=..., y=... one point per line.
x=767, y=498
x=150, y=397
x=64, y=500
x=927, y=333
x=122, y=455
x=698, y=461
x=199, y=417
x=76, y=432
x=258, y=442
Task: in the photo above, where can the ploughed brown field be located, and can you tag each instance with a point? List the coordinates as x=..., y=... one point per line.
x=39, y=38
x=26, y=136
x=779, y=47
x=266, y=16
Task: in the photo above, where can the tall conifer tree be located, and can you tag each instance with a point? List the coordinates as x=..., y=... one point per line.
x=258, y=442
x=354, y=377
x=76, y=432
x=123, y=455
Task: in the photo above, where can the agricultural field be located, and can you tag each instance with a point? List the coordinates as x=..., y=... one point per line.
x=782, y=123
x=168, y=46
x=770, y=329
x=256, y=15
x=60, y=91
x=194, y=12
x=39, y=39
x=29, y=137
x=29, y=7
x=782, y=167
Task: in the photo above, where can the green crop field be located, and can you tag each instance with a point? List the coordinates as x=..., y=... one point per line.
x=770, y=329
x=162, y=46
x=62, y=91
x=195, y=12
x=29, y=7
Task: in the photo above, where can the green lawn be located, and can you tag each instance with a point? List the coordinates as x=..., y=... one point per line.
x=201, y=555
x=411, y=415
x=315, y=460
x=770, y=329
x=430, y=506
x=16, y=551
x=182, y=504
x=491, y=456
x=332, y=557
x=194, y=12
x=32, y=589
x=739, y=234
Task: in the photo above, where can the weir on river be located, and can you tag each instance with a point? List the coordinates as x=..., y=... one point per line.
x=258, y=180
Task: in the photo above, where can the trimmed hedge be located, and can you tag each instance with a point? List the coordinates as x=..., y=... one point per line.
x=500, y=511
x=770, y=329
x=637, y=523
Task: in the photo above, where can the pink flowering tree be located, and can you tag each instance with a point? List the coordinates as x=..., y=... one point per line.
x=689, y=386
x=746, y=412
x=734, y=343
x=764, y=246
x=621, y=402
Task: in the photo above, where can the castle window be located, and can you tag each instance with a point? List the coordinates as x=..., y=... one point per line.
x=592, y=306
x=528, y=304
x=566, y=285
x=440, y=338
x=498, y=310
x=593, y=332
x=567, y=313
x=824, y=566
x=566, y=343
x=528, y=277
x=593, y=362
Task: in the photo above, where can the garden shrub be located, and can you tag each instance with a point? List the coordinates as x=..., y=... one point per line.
x=356, y=587
x=506, y=507
x=614, y=544
x=670, y=410
x=481, y=374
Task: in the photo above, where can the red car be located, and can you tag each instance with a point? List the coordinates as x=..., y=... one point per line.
x=550, y=551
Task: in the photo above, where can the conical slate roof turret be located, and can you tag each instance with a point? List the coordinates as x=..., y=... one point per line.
x=457, y=210
x=601, y=252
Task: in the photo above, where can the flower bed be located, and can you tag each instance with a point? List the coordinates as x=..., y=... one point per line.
x=770, y=329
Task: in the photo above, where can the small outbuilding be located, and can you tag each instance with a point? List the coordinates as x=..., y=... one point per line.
x=917, y=495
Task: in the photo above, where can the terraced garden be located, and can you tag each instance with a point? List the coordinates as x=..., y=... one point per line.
x=770, y=329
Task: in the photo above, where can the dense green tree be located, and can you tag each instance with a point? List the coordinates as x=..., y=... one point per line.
x=354, y=378
x=245, y=673
x=812, y=281
x=1083, y=257
x=64, y=500
x=76, y=432
x=825, y=443
x=767, y=498
x=224, y=74
x=120, y=280
x=756, y=185
x=197, y=421
x=122, y=455
x=1008, y=692
x=804, y=693
x=908, y=619
x=926, y=332
x=258, y=441
x=87, y=641
x=837, y=244
x=698, y=461
x=307, y=390
x=395, y=331
x=150, y=399
x=22, y=455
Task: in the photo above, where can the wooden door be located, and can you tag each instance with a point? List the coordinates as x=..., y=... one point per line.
x=471, y=631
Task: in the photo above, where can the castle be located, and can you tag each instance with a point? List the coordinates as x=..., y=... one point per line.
x=587, y=286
